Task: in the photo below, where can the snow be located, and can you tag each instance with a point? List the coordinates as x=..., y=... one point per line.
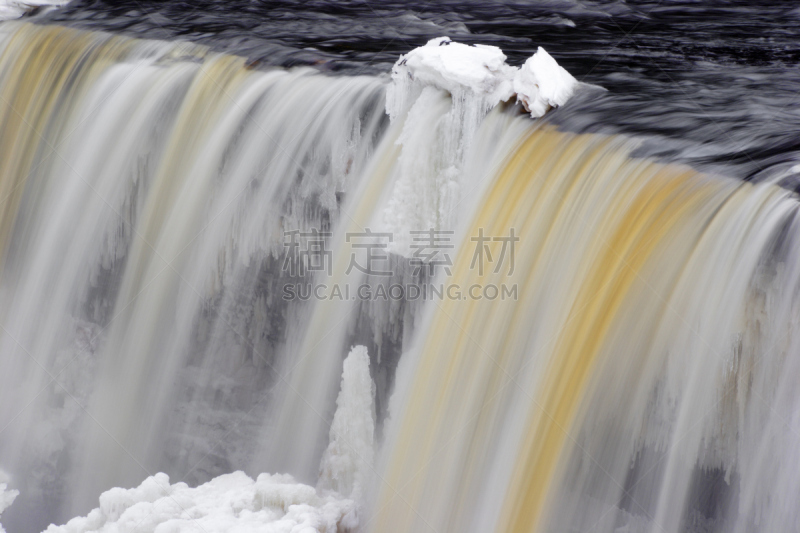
x=270, y=504
x=452, y=67
x=13, y=9
x=542, y=83
x=482, y=71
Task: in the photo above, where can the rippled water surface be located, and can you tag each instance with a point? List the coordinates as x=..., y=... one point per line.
x=716, y=83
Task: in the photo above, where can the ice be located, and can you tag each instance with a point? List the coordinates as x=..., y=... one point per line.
x=453, y=67
x=347, y=462
x=542, y=83
x=439, y=96
x=272, y=503
x=481, y=71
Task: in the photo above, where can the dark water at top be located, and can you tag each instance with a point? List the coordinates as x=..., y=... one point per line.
x=714, y=84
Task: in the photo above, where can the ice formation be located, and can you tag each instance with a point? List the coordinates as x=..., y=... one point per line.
x=542, y=83
x=480, y=70
x=439, y=95
x=457, y=68
x=347, y=462
x=272, y=503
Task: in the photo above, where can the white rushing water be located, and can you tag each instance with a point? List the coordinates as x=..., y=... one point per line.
x=144, y=250
x=176, y=226
x=12, y=9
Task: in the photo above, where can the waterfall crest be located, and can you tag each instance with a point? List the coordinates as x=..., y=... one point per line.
x=607, y=342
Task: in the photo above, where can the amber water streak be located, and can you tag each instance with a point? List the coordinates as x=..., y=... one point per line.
x=650, y=217
x=50, y=69
x=437, y=379
x=568, y=197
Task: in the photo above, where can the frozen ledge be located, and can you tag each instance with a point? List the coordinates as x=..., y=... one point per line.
x=480, y=70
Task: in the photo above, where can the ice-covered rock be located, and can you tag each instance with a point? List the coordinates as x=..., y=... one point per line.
x=439, y=96
x=542, y=83
x=480, y=72
x=454, y=67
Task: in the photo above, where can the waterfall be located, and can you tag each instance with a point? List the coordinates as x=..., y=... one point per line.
x=601, y=342
x=596, y=400
x=147, y=187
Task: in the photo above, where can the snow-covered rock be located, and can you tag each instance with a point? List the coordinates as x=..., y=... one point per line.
x=454, y=67
x=439, y=97
x=478, y=71
x=542, y=83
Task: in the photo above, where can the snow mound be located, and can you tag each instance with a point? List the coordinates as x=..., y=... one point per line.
x=478, y=70
x=542, y=83
x=453, y=67
x=272, y=503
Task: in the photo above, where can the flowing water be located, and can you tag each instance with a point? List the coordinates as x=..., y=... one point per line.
x=586, y=322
